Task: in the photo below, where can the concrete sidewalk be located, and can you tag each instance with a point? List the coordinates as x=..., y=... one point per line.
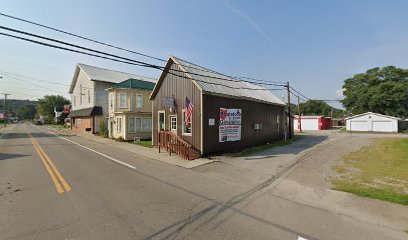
x=143, y=151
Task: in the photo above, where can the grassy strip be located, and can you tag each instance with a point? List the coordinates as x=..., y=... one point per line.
x=381, y=194
x=147, y=144
x=249, y=151
x=378, y=171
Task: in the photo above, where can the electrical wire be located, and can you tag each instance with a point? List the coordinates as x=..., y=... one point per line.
x=38, y=80
x=137, y=64
x=115, y=47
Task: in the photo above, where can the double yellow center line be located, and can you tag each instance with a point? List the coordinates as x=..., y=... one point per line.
x=55, y=175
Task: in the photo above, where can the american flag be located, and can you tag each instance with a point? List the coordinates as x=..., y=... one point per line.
x=189, y=111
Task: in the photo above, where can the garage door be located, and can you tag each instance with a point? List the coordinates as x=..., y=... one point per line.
x=382, y=126
x=359, y=126
x=310, y=124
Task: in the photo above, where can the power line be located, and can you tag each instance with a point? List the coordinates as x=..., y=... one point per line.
x=300, y=93
x=38, y=80
x=116, y=47
x=18, y=79
x=81, y=37
x=139, y=63
x=142, y=65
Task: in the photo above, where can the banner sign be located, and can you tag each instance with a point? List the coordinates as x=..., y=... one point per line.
x=230, y=133
x=230, y=124
x=230, y=116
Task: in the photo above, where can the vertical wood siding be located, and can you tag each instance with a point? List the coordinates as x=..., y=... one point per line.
x=178, y=87
x=252, y=112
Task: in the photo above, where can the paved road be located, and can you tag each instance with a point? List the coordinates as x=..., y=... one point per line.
x=70, y=188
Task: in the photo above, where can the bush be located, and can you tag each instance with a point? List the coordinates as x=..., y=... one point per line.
x=120, y=139
x=103, y=130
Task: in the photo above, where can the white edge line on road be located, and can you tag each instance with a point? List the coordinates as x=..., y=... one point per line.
x=103, y=155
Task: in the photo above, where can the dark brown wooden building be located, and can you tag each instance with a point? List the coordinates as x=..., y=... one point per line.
x=226, y=114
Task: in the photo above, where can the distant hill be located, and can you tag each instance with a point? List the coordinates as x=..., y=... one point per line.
x=14, y=105
x=316, y=107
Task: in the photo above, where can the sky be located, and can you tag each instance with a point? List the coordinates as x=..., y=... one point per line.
x=315, y=45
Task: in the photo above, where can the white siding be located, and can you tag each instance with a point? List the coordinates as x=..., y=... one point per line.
x=372, y=122
x=86, y=84
x=308, y=124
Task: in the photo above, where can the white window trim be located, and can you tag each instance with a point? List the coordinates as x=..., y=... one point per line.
x=171, y=129
x=141, y=95
x=89, y=96
x=80, y=94
x=158, y=120
x=141, y=130
x=117, y=124
x=131, y=119
x=131, y=102
x=141, y=121
x=120, y=100
x=183, y=112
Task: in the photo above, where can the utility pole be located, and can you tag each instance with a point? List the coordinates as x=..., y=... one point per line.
x=290, y=122
x=331, y=116
x=300, y=118
x=5, y=106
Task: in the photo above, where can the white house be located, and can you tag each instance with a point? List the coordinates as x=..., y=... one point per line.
x=372, y=122
x=89, y=98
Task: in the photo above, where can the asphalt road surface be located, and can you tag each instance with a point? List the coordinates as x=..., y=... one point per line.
x=69, y=188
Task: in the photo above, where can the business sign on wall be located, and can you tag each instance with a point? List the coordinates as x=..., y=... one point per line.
x=230, y=124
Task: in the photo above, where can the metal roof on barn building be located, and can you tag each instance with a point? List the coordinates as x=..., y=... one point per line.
x=135, y=84
x=212, y=82
x=105, y=75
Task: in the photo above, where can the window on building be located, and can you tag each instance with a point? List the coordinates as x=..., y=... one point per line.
x=173, y=124
x=146, y=125
x=74, y=101
x=139, y=101
x=140, y=125
x=186, y=125
x=89, y=96
x=132, y=128
x=161, y=121
x=119, y=124
x=111, y=100
x=80, y=94
x=277, y=122
x=123, y=100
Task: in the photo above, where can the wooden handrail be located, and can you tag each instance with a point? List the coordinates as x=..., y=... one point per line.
x=175, y=144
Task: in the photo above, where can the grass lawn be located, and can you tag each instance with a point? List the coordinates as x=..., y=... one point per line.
x=378, y=171
x=249, y=151
x=144, y=143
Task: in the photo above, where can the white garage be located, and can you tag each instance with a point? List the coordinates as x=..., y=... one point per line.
x=372, y=122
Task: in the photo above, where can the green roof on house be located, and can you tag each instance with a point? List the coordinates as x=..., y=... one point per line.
x=135, y=84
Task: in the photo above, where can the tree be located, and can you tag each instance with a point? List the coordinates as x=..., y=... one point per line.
x=45, y=106
x=316, y=107
x=27, y=112
x=381, y=90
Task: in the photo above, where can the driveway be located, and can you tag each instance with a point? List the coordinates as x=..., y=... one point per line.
x=68, y=187
x=302, y=171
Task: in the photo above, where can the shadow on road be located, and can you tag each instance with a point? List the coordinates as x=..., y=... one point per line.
x=8, y=156
x=305, y=142
x=12, y=135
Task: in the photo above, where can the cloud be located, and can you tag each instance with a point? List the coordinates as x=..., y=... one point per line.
x=251, y=22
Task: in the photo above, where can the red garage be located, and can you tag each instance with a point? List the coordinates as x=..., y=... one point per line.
x=311, y=123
